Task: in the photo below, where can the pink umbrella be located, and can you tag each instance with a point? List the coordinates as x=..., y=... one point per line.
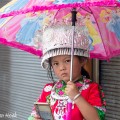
x=103, y=32
x=22, y=28
x=101, y=18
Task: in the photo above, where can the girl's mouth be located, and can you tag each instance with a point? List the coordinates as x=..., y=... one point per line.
x=64, y=74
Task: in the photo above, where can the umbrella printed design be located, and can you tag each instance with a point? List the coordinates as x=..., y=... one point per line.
x=13, y=5
x=113, y=24
x=31, y=21
x=24, y=31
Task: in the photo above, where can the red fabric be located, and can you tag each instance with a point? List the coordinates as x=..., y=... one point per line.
x=91, y=94
x=44, y=94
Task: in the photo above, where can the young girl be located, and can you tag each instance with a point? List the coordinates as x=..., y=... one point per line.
x=87, y=97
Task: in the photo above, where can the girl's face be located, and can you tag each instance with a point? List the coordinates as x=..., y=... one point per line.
x=61, y=67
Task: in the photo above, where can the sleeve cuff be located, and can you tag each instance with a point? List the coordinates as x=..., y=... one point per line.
x=101, y=114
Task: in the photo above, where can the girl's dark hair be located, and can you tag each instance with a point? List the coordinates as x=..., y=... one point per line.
x=49, y=72
x=85, y=73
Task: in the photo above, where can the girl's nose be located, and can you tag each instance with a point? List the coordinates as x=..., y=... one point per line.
x=62, y=67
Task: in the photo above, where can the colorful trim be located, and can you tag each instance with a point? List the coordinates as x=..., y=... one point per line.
x=115, y=53
x=21, y=46
x=54, y=6
x=101, y=114
x=101, y=108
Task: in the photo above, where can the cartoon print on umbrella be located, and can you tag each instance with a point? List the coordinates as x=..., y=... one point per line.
x=30, y=24
x=82, y=20
x=90, y=24
x=112, y=20
x=13, y=5
x=114, y=23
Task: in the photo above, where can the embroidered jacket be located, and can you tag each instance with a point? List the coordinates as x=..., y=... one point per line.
x=54, y=94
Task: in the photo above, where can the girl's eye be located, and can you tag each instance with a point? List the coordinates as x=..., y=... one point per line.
x=67, y=61
x=55, y=64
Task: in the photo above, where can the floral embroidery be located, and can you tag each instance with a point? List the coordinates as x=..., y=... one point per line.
x=60, y=88
x=58, y=95
x=52, y=101
x=85, y=87
x=61, y=92
x=60, y=110
x=59, y=85
x=48, y=99
x=102, y=96
x=101, y=108
x=87, y=80
x=48, y=88
x=79, y=84
x=58, y=98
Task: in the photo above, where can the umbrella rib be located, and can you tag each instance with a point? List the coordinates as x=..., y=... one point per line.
x=87, y=10
x=56, y=13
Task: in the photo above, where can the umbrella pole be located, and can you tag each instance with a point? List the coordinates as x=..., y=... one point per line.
x=74, y=12
x=69, y=103
x=72, y=53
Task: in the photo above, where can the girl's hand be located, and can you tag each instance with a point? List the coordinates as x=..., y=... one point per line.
x=37, y=117
x=71, y=90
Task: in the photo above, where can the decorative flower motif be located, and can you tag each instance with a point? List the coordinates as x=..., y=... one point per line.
x=52, y=101
x=78, y=84
x=87, y=80
x=59, y=85
x=85, y=87
x=60, y=92
x=48, y=88
x=60, y=88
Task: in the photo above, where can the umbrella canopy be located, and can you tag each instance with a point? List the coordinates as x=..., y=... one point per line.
x=23, y=26
x=22, y=23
